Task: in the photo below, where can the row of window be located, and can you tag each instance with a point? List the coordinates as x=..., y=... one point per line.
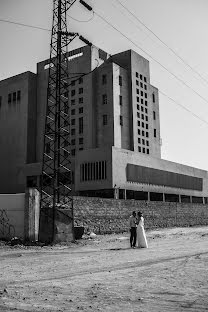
x=143, y=150
x=93, y=171
x=141, y=84
x=81, y=124
x=141, y=101
x=14, y=97
x=142, y=93
x=141, y=77
x=73, y=92
x=73, y=111
x=143, y=141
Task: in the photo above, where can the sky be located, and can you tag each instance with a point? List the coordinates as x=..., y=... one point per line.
x=181, y=24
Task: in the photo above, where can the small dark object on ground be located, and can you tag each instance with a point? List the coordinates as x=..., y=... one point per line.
x=78, y=232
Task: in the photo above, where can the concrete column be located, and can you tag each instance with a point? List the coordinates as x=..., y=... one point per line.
x=203, y=198
x=148, y=194
x=179, y=198
x=32, y=214
x=190, y=199
x=163, y=197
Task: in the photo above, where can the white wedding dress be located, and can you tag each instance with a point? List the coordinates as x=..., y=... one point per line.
x=141, y=236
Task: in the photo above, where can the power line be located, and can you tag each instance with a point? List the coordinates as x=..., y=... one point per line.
x=25, y=25
x=188, y=110
x=176, y=77
x=165, y=44
x=86, y=21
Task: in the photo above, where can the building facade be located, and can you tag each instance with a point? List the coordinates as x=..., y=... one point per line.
x=114, y=128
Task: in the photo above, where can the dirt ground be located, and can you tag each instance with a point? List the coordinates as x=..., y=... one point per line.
x=104, y=274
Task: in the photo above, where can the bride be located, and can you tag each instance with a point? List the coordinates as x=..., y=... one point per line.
x=141, y=236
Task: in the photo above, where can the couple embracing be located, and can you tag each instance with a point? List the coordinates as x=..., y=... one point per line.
x=137, y=233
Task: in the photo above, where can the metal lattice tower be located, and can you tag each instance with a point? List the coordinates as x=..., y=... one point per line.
x=56, y=169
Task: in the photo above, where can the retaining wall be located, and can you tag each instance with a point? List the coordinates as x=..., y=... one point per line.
x=109, y=215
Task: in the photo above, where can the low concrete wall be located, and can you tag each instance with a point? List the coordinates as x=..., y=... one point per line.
x=12, y=215
x=109, y=215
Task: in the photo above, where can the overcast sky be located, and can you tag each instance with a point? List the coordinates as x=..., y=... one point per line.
x=181, y=24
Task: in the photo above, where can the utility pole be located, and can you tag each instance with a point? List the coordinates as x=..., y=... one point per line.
x=56, y=167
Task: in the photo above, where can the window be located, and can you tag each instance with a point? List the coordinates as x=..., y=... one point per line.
x=66, y=94
x=142, y=132
x=73, y=122
x=137, y=75
x=145, y=95
x=73, y=92
x=138, y=115
x=66, y=123
x=155, y=133
x=138, y=106
x=147, y=150
x=18, y=95
x=147, y=126
x=121, y=120
x=143, y=150
x=139, y=149
x=146, y=118
x=73, y=83
x=141, y=84
x=137, y=99
x=147, y=143
x=72, y=102
x=80, y=90
x=81, y=100
x=73, y=131
x=137, y=82
x=137, y=91
x=143, y=141
x=105, y=120
x=154, y=115
x=142, y=108
x=146, y=111
x=145, y=87
x=145, y=103
x=138, y=131
x=73, y=152
x=80, y=80
x=147, y=134
x=104, y=79
x=139, y=140
x=142, y=116
x=93, y=171
x=138, y=123
x=142, y=124
x=80, y=140
x=120, y=100
x=142, y=101
x=14, y=96
x=0, y=101
x=104, y=99
x=141, y=77
x=120, y=81
x=80, y=110
x=73, y=142
x=153, y=97
x=73, y=112
x=142, y=93
x=80, y=125
x=145, y=79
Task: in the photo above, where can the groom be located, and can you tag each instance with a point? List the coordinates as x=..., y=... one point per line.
x=132, y=226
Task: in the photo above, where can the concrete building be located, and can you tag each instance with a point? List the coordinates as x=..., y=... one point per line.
x=114, y=126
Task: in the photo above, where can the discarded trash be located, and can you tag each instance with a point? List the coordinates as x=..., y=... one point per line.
x=16, y=241
x=92, y=235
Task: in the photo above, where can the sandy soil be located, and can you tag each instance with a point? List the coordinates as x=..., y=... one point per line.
x=104, y=274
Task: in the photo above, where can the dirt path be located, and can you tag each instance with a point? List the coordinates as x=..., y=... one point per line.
x=104, y=274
